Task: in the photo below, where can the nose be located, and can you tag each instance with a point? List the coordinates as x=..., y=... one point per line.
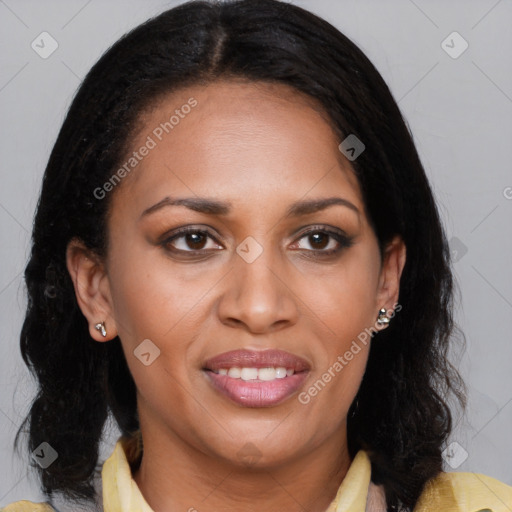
x=258, y=296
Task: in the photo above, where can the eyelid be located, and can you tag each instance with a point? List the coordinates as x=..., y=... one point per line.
x=321, y=227
x=342, y=238
x=183, y=230
x=178, y=233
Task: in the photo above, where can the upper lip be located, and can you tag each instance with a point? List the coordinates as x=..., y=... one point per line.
x=257, y=359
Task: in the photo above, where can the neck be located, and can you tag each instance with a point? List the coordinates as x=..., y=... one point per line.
x=174, y=475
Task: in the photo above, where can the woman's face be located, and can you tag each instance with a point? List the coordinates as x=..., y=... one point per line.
x=263, y=270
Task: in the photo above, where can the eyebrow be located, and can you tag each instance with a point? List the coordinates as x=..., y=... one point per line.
x=215, y=207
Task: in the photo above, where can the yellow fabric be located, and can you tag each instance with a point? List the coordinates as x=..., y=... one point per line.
x=120, y=492
x=448, y=492
x=351, y=495
x=467, y=492
x=27, y=506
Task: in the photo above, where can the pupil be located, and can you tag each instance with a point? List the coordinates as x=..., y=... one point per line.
x=194, y=239
x=318, y=238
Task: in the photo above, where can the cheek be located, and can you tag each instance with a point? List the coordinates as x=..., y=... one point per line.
x=151, y=297
x=329, y=393
x=151, y=302
x=344, y=297
x=343, y=303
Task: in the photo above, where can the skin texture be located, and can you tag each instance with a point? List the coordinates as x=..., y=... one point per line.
x=259, y=147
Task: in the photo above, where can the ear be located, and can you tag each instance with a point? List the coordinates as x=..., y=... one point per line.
x=92, y=289
x=389, y=280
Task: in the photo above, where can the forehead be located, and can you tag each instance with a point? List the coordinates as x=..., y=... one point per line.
x=229, y=137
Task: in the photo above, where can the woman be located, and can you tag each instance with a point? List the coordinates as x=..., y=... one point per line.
x=237, y=253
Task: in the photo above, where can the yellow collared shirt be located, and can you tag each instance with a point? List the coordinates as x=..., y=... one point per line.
x=448, y=492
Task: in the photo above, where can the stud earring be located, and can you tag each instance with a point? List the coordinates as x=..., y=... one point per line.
x=383, y=319
x=101, y=328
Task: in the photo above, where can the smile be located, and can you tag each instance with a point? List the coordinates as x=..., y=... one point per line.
x=256, y=393
x=261, y=374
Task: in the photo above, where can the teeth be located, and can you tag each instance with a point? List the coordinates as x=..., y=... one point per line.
x=262, y=374
x=249, y=374
x=234, y=373
x=267, y=373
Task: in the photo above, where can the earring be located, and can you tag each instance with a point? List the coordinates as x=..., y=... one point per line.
x=101, y=328
x=383, y=319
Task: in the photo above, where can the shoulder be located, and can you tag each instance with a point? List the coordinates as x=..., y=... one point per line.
x=27, y=506
x=465, y=492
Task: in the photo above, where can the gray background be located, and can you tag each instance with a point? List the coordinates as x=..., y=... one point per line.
x=459, y=110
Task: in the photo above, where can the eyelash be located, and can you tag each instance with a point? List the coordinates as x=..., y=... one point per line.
x=344, y=241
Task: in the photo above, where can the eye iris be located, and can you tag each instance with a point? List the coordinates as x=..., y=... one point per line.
x=194, y=239
x=316, y=239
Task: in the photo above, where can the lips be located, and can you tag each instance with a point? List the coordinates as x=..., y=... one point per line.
x=251, y=391
x=257, y=359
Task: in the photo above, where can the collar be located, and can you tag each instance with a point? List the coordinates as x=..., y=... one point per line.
x=121, y=493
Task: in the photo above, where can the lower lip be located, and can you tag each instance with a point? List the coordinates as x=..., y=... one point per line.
x=257, y=393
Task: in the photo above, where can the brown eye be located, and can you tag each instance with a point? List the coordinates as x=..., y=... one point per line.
x=323, y=242
x=318, y=240
x=195, y=241
x=191, y=240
